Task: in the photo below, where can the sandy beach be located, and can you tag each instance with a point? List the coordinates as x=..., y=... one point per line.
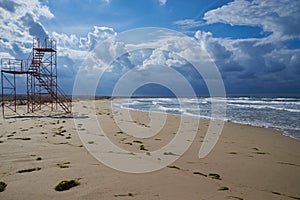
x=38, y=151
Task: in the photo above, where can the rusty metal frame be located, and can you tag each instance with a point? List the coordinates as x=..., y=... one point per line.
x=41, y=79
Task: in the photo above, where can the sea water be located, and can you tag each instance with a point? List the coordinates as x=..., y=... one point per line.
x=278, y=113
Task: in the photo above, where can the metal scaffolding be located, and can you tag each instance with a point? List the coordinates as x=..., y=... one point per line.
x=41, y=77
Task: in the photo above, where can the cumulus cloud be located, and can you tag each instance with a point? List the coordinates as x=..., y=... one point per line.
x=212, y=45
x=78, y=47
x=74, y=51
x=263, y=60
x=20, y=22
x=164, y=52
x=157, y=58
x=93, y=38
x=266, y=59
x=241, y=58
x=64, y=40
x=281, y=18
x=160, y=58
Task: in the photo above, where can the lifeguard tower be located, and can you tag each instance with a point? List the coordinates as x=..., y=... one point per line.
x=40, y=70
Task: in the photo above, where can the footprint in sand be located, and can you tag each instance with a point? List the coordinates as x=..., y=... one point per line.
x=214, y=176
x=38, y=159
x=25, y=138
x=174, y=167
x=120, y=132
x=199, y=173
x=137, y=141
x=63, y=165
x=142, y=147
x=285, y=195
x=287, y=163
x=224, y=188
x=66, y=185
x=170, y=154
x=29, y=170
x=234, y=197
x=257, y=151
x=124, y=195
x=2, y=186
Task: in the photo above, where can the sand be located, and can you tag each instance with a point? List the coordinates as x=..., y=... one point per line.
x=246, y=163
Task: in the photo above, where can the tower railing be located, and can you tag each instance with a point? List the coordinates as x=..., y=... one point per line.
x=41, y=70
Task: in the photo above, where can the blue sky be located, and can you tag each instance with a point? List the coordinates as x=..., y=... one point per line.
x=254, y=44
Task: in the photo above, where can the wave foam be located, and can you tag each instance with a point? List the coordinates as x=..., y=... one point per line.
x=277, y=113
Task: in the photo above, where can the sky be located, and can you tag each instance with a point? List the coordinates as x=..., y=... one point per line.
x=255, y=44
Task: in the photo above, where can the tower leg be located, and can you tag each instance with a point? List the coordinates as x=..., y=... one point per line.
x=2, y=99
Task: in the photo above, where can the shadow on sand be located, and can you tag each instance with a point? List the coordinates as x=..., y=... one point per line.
x=54, y=116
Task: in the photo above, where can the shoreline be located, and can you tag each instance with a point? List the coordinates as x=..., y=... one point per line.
x=284, y=132
x=246, y=163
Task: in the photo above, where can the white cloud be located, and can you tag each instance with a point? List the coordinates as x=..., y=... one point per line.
x=73, y=54
x=243, y=62
x=77, y=48
x=99, y=34
x=265, y=60
x=64, y=40
x=20, y=22
x=237, y=59
x=188, y=23
x=157, y=58
x=174, y=60
x=160, y=58
x=281, y=18
x=162, y=2
x=5, y=55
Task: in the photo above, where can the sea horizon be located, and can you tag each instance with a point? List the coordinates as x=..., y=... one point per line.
x=280, y=113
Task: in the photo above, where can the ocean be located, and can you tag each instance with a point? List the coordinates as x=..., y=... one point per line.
x=279, y=113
